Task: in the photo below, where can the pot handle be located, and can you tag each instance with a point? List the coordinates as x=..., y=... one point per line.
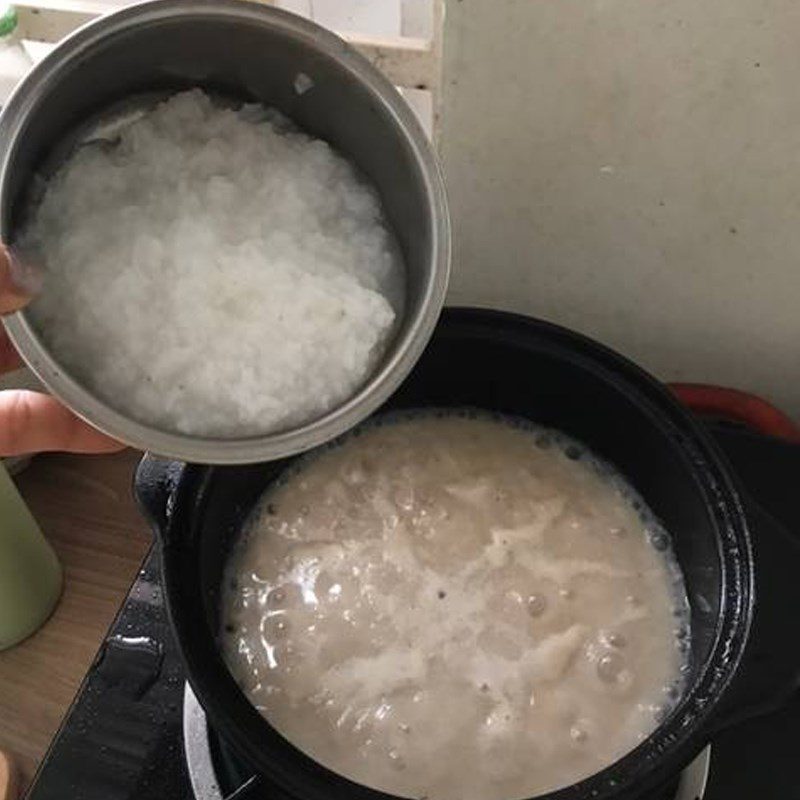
x=731, y=404
x=154, y=485
x=767, y=675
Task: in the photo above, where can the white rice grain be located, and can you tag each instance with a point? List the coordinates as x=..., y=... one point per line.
x=215, y=272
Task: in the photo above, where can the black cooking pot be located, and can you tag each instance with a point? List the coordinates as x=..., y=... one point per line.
x=557, y=378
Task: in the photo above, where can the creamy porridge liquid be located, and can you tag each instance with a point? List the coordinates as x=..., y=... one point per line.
x=458, y=608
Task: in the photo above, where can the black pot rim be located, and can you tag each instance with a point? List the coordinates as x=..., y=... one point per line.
x=671, y=746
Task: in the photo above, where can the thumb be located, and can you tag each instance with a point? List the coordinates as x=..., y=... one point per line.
x=32, y=423
x=19, y=282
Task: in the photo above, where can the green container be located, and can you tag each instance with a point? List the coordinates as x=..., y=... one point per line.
x=30, y=575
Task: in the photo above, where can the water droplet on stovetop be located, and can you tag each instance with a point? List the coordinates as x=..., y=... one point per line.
x=132, y=663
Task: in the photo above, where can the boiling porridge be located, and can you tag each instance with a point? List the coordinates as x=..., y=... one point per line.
x=456, y=606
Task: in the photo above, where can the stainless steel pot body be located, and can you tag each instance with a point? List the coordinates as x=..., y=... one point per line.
x=250, y=52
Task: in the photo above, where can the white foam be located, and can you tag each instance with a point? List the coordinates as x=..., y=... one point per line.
x=455, y=598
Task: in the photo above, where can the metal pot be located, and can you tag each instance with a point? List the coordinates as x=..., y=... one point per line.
x=556, y=378
x=251, y=52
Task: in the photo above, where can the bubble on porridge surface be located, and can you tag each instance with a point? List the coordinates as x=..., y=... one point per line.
x=483, y=634
x=611, y=668
x=613, y=639
x=578, y=734
x=537, y=605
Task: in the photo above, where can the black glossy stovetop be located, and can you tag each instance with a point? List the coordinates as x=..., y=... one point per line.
x=122, y=738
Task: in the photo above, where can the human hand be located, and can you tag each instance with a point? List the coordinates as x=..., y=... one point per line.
x=32, y=422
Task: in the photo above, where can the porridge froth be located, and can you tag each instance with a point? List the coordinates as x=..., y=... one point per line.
x=456, y=606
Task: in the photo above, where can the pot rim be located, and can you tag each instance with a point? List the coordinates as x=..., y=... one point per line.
x=685, y=731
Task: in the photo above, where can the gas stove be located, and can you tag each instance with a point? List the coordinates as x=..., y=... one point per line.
x=136, y=731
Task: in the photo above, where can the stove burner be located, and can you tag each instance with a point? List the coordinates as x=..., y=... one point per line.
x=210, y=780
x=197, y=748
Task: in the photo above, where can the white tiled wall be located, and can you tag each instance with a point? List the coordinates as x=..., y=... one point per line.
x=376, y=17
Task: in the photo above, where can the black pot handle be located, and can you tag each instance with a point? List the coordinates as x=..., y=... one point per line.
x=768, y=675
x=154, y=486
